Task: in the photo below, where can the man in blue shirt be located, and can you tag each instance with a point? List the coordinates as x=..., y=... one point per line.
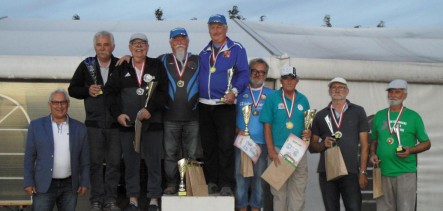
x=254, y=95
x=283, y=114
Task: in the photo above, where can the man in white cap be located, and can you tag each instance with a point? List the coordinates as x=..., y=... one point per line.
x=283, y=114
x=127, y=93
x=398, y=135
x=217, y=103
x=181, y=115
x=344, y=124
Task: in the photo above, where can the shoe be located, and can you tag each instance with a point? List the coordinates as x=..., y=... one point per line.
x=226, y=191
x=131, y=207
x=153, y=207
x=96, y=206
x=111, y=206
x=212, y=188
x=170, y=190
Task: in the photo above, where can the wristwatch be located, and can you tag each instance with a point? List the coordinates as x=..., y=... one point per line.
x=363, y=172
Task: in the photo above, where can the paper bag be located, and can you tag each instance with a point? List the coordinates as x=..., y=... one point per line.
x=195, y=181
x=376, y=182
x=276, y=176
x=246, y=165
x=335, y=165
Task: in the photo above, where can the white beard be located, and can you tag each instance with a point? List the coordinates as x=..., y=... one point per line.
x=180, y=54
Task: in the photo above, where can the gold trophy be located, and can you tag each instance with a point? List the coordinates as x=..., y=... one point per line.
x=246, y=110
x=400, y=148
x=309, y=117
x=150, y=87
x=182, y=166
x=230, y=72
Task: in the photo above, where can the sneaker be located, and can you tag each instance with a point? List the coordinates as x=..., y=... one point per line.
x=153, y=207
x=212, y=188
x=170, y=190
x=226, y=191
x=131, y=207
x=111, y=206
x=96, y=206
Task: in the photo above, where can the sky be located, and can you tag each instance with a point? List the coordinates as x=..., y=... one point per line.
x=343, y=13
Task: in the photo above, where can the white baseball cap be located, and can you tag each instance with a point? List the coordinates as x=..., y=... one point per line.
x=397, y=84
x=337, y=80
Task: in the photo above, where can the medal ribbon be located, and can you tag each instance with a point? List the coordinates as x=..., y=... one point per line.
x=391, y=129
x=289, y=113
x=213, y=56
x=338, y=124
x=139, y=77
x=182, y=71
x=253, y=98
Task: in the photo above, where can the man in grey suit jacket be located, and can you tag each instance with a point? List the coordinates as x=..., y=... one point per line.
x=56, y=163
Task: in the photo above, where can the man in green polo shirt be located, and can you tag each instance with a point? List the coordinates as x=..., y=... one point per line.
x=398, y=135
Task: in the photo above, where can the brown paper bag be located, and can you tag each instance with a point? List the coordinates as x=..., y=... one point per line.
x=195, y=181
x=276, y=176
x=376, y=182
x=335, y=165
x=246, y=165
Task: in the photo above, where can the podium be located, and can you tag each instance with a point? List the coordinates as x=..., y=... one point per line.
x=198, y=203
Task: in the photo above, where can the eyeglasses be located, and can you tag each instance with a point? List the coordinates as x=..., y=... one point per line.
x=338, y=88
x=258, y=72
x=60, y=103
x=138, y=43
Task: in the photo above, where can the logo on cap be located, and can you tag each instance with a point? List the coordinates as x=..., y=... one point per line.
x=177, y=31
x=217, y=19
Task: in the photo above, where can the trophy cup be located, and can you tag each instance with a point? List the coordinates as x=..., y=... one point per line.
x=246, y=110
x=90, y=63
x=182, y=165
x=229, y=88
x=309, y=117
x=400, y=148
x=150, y=90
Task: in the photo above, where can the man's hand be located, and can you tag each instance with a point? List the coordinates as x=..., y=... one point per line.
x=229, y=98
x=94, y=90
x=82, y=190
x=329, y=142
x=143, y=114
x=122, y=119
x=306, y=134
x=374, y=159
x=30, y=190
x=405, y=153
x=363, y=181
x=126, y=58
x=273, y=155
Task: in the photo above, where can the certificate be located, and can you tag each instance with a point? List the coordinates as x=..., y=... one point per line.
x=248, y=146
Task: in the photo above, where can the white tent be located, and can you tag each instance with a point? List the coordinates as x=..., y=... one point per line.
x=367, y=58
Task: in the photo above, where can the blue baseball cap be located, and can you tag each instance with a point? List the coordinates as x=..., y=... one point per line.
x=217, y=19
x=177, y=31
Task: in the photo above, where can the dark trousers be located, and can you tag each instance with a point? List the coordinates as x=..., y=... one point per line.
x=217, y=131
x=104, y=146
x=132, y=164
x=60, y=193
x=347, y=186
x=151, y=152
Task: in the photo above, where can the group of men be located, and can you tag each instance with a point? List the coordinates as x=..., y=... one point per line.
x=197, y=97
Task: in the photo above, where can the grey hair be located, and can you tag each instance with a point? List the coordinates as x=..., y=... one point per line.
x=103, y=34
x=61, y=91
x=259, y=61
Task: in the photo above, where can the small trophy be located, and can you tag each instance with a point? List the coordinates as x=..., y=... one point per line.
x=309, y=117
x=90, y=64
x=400, y=148
x=229, y=88
x=182, y=165
x=150, y=91
x=246, y=110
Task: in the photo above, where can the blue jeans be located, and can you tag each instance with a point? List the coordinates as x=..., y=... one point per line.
x=255, y=183
x=60, y=193
x=104, y=146
x=347, y=186
x=180, y=141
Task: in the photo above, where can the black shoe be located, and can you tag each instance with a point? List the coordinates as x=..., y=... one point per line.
x=171, y=190
x=212, y=188
x=96, y=206
x=153, y=207
x=131, y=207
x=226, y=191
x=111, y=206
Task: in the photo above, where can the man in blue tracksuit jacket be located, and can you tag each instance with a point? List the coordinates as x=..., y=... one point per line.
x=217, y=107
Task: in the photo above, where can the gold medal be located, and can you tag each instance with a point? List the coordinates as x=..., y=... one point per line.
x=390, y=140
x=140, y=91
x=255, y=113
x=180, y=83
x=338, y=135
x=289, y=125
x=212, y=70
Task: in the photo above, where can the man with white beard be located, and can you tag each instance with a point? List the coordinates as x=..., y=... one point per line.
x=181, y=129
x=398, y=135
